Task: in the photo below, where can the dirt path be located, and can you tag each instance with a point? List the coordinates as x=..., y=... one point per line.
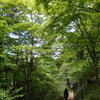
x=71, y=96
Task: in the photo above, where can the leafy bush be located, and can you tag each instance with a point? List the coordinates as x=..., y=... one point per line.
x=7, y=95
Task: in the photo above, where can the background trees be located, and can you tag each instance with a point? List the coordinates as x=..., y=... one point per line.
x=45, y=42
x=81, y=17
x=22, y=57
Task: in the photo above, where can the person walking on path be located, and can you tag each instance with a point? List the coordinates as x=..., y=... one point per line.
x=65, y=93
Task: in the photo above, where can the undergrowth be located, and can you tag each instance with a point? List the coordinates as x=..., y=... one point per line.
x=90, y=92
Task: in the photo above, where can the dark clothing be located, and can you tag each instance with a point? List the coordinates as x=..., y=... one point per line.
x=66, y=94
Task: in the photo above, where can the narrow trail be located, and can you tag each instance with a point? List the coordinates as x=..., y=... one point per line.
x=70, y=97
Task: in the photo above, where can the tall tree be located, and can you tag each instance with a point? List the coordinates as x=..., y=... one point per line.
x=82, y=17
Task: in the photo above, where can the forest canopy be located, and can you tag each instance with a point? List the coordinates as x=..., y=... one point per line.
x=43, y=43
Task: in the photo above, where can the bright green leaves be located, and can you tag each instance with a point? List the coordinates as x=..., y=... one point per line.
x=83, y=17
x=22, y=26
x=36, y=30
x=23, y=46
x=77, y=69
x=14, y=11
x=7, y=95
x=62, y=42
x=4, y=29
x=45, y=3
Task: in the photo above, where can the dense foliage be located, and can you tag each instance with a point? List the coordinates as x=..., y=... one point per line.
x=43, y=43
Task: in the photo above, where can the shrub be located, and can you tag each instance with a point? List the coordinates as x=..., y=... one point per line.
x=7, y=95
